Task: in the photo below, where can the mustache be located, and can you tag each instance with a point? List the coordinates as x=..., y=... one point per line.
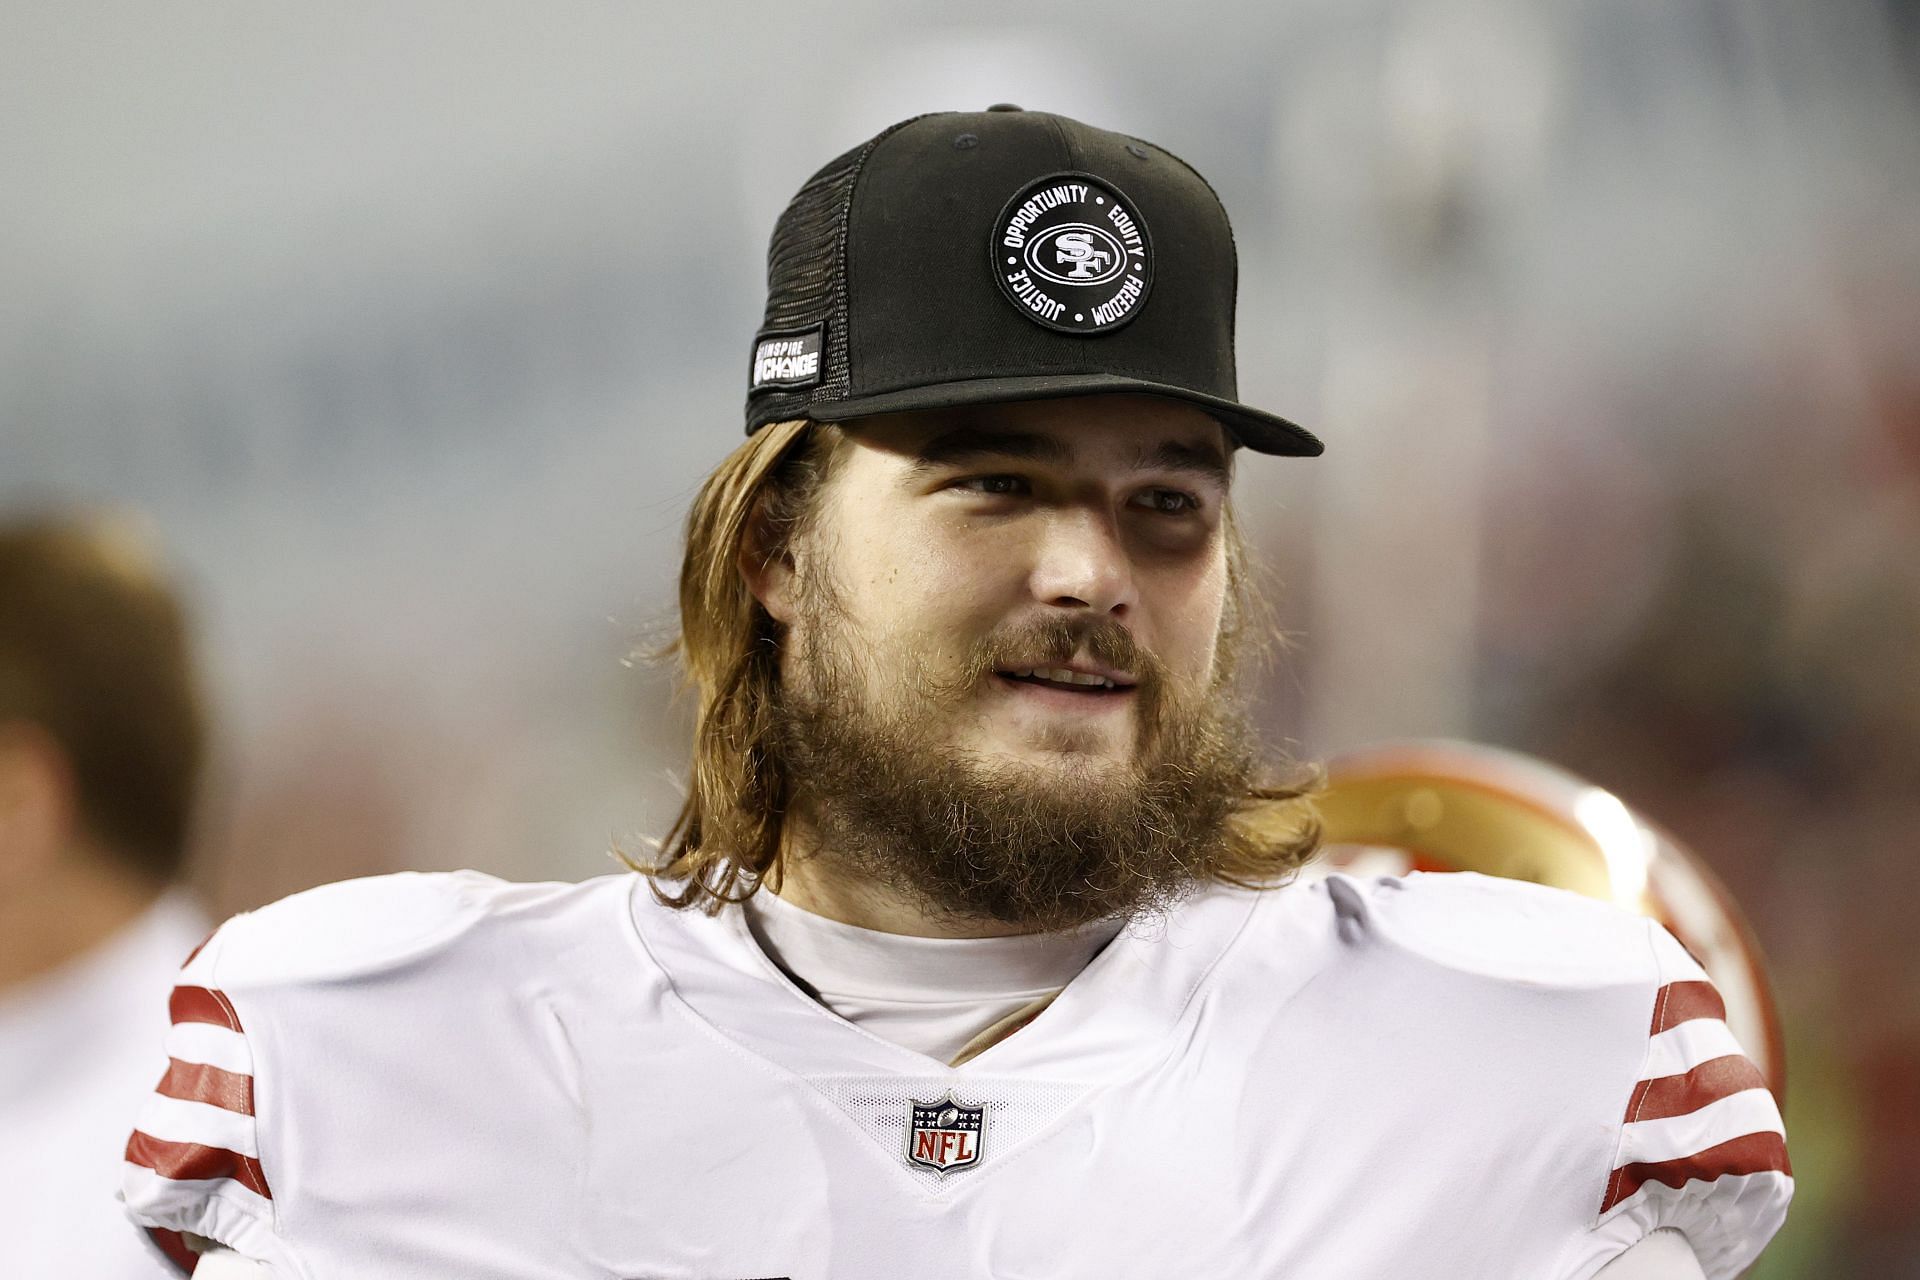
x=1054, y=642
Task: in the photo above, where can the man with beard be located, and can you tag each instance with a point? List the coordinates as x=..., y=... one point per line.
x=973, y=951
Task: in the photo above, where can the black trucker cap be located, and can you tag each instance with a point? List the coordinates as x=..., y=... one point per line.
x=982, y=257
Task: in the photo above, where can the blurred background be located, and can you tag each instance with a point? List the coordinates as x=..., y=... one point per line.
x=412, y=331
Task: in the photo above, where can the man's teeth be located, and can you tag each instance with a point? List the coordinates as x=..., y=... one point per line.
x=1060, y=675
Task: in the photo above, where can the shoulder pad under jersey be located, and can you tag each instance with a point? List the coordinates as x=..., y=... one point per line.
x=1498, y=928
x=348, y=929
x=195, y=1165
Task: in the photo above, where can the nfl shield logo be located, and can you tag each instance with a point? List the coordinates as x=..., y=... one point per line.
x=945, y=1135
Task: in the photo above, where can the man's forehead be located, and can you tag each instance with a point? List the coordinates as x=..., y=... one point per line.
x=1138, y=432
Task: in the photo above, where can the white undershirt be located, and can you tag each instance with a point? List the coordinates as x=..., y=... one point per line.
x=932, y=995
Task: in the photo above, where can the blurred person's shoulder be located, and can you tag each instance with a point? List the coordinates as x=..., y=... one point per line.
x=405, y=921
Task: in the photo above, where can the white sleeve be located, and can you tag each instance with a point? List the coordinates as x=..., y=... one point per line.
x=1664, y=1255
x=192, y=1166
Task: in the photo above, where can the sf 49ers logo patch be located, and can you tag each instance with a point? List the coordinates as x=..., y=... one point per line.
x=945, y=1135
x=1071, y=253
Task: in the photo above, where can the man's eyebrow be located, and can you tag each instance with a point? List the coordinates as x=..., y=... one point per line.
x=1175, y=455
x=963, y=443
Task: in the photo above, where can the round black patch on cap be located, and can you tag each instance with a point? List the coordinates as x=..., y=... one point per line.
x=1072, y=254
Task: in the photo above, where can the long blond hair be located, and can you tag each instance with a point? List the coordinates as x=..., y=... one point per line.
x=727, y=837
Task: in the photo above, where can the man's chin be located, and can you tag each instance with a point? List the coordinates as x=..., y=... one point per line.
x=1065, y=750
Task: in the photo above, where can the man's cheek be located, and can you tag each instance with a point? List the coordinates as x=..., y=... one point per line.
x=1195, y=671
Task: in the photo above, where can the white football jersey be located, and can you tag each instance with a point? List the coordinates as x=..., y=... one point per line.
x=1446, y=1076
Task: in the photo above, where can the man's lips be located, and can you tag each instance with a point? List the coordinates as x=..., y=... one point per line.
x=1080, y=676
x=1039, y=689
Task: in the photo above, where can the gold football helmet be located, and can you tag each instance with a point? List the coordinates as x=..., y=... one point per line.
x=1461, y=806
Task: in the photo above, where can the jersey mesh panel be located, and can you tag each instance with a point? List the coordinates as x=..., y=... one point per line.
x=807, y=281
x=882, y=1106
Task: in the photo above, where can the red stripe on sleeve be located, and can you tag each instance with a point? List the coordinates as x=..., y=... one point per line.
x=1680, y=1002
x=197, y=1082
x=191, y=1162
x=174, y=1245
x=198, y=1004
x=1684, y=1094
x=1754, y=1153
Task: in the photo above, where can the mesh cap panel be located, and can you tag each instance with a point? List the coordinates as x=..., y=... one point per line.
x=807, y=280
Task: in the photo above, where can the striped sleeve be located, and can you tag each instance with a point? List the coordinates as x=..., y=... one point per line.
x=192, y=1165
x=1702, y=1148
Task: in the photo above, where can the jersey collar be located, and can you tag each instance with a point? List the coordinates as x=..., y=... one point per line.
x=1118, y=1015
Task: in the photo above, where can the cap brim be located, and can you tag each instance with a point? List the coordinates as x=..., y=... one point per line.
x=1262, y=432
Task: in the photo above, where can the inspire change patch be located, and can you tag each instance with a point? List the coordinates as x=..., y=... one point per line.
x=1071, y=253
x=787, y=359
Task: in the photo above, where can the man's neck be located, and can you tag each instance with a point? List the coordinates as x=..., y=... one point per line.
x=66, y=914
x=816, y=884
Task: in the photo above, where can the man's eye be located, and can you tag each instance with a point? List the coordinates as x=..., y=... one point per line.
x=1170, y=502
x=998, y=485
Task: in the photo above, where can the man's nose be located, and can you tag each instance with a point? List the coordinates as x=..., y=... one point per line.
x=1082, y=563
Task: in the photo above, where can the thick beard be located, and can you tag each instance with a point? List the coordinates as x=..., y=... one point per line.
x=971, y=839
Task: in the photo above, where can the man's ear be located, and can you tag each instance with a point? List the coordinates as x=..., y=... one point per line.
x=768, y=566
x=38, y=814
